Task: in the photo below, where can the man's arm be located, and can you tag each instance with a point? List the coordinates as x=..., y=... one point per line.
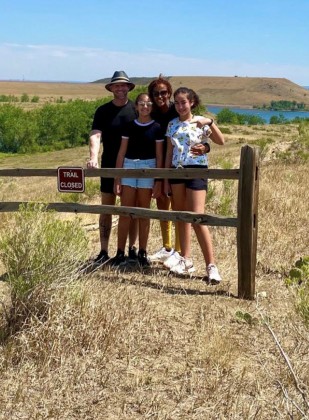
x=94, y=148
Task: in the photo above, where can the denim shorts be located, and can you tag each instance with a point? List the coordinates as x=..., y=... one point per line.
x=139, y=164
x=197, y=184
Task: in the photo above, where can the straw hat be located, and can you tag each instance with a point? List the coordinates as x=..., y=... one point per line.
x=120, y=77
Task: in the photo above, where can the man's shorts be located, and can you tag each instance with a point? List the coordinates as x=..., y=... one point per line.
x=107, y=185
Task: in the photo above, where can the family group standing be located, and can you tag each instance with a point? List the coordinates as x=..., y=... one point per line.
x=153, y=133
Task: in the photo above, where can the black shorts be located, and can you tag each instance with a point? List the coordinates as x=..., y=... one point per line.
x=107, y=185
x=197, y=184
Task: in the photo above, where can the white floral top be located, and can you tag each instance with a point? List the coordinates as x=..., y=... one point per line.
x=184, y=135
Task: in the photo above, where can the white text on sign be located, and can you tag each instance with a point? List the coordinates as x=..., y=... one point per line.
x=71, y=179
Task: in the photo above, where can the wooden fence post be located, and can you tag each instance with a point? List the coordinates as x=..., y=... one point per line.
x=248, y=190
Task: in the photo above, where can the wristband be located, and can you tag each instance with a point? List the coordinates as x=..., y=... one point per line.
x=211, y=122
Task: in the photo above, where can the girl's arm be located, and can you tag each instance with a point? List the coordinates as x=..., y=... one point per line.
x=216, y=135
x=119, y=163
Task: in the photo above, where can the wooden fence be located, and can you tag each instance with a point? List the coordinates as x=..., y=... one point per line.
x=246, y=221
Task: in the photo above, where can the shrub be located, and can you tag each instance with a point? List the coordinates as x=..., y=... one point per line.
x=298, y=279
x=263, y=143
x=71, y=197
x=226, y=116
x=8, y=98
x=278, y=119
x=39, y=253
x=24, y=98
x=18, y=130
x=299, y=150
x=35, y=99
x=92, y=190
x=52, y=127
x=304, y=139
x=226, y=130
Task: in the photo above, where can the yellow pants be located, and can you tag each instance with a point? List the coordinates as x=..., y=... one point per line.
x=166, y=231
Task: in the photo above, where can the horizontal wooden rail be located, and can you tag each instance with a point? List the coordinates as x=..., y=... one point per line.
x=132, y=173
x=134, y=212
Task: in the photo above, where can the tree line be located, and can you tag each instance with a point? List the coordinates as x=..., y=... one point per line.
x=285, y=105
x=53, y=126
x=60, y=126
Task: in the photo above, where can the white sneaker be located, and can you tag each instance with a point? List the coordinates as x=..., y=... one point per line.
x=213, y=274
x=161, y=255
x=184, y=266
x=172, y=260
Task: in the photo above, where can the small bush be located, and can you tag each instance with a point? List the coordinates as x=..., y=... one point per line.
x=263, y=144
x=24, y=98
x=299, y=280
x=226, y=199
x=92, y=188
x=35, y=99
x=211, y=192
x=280, y=119
x=299, y=148
x=226, y=130
x=71, y=197
x=39, y=252
x=226, y=116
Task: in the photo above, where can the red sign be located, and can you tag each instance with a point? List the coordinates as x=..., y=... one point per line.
x=71, y=179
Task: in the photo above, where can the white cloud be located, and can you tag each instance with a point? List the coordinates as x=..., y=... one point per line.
x=63, y=63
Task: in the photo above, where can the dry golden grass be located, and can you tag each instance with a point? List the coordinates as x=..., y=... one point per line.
x=242, y=91
x=48, y=91
x=133, y=345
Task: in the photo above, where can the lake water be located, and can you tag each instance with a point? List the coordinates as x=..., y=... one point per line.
x=265, y=114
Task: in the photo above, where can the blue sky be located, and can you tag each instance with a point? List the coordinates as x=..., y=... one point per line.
x=85, y=40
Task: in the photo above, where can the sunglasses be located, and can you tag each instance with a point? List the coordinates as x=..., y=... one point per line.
x=142, y=103
x=160, y=93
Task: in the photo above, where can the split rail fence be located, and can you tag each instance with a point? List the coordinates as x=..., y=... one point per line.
x=246, y=221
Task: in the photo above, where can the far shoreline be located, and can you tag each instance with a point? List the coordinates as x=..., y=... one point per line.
x=232, y=106
x=256, y=108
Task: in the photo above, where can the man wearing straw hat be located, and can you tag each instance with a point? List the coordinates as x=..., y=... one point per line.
x=107, y=125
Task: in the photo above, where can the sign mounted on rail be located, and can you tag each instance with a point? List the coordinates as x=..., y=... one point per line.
x=71, y=179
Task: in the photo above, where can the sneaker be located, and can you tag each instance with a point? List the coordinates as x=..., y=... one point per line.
x=161, y=255
x=101, y=258
x=172, y=260
x=142, y=258
x=184, y=266
x=132, y=254
x=213, y=274
x=119, y=259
